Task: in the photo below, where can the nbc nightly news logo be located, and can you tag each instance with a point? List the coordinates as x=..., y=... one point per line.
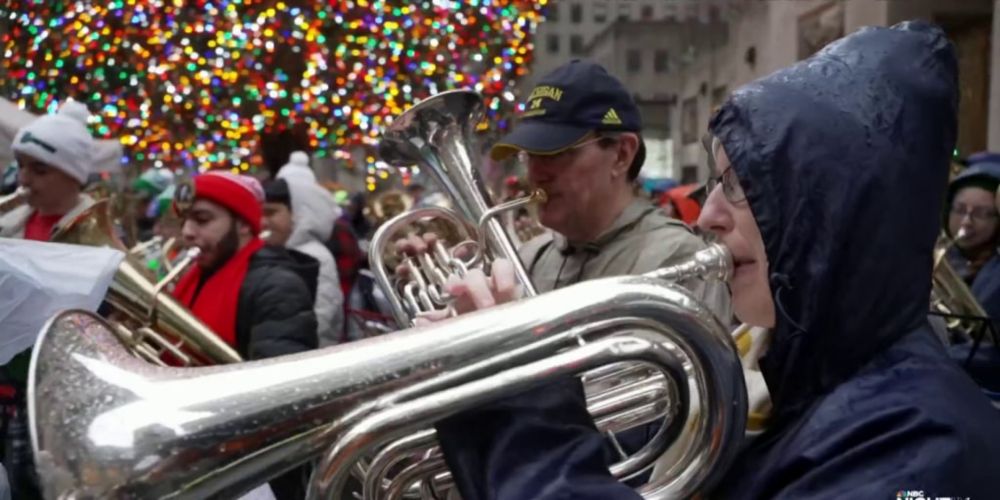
x=920, y=495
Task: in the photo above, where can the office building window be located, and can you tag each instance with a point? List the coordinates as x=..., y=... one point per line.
x=624, y=11
x=661, y=61
x=576, y=45
x=601, y=12
x=647, y=12
x=552, y=12
x=576, y=13
x=633, y=61
x=690, y=133
x=552, y=43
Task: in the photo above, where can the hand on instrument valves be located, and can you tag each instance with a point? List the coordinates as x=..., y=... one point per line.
x=465, y=291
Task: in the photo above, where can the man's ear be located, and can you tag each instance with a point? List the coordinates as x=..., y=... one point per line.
x=628, y=147
x=243, y=229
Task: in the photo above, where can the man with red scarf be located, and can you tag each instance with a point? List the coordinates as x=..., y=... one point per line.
x=256, y=298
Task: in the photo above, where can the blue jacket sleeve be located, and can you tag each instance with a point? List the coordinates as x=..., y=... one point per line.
x=895, y=451
x=986, y=288
x=911, y=421
x=540, y=445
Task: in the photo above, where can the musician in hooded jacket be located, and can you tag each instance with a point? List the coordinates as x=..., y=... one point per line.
x=971, y=207
x=971, y=210
x=828, y=180
x=300, y=214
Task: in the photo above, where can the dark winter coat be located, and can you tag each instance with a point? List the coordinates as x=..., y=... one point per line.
x=275, y=312
x=844, y=158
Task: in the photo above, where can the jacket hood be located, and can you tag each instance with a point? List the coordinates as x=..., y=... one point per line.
x=844, y=160
x=297, y=168
x=314, y=211
x=988, y=169
x=304, y=266
x=983, y=173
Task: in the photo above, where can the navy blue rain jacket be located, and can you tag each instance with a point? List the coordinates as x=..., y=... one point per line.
x=844, y=161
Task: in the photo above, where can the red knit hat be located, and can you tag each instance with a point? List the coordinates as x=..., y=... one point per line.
x=241, y=194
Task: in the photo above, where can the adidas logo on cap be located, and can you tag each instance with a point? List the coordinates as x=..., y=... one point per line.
x=611, y=118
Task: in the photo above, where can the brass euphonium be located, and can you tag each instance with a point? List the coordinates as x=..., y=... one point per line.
x=438, y=135
x=951, y=296
x=13, y=200
x=165, y=326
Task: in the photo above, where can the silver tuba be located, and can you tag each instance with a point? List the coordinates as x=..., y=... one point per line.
x=107, y=424
x=438, y=134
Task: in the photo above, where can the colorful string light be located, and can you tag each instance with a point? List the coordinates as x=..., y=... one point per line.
x=193, y=83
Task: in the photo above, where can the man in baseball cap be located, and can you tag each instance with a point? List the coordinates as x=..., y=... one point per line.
x=579, y=136
x=577, y=100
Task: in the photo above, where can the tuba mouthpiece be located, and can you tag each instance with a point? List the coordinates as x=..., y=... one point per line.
x=714, y=263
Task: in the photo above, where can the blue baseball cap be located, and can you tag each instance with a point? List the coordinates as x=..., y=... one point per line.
x=574, y=100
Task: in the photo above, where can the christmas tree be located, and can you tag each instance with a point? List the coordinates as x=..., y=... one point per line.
x=194, y=83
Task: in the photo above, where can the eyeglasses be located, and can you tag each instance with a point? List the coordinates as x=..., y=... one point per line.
x=981, y=214
x=564, y=155
x=731, y=186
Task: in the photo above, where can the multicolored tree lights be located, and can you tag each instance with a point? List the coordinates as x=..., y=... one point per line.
x=193, y=83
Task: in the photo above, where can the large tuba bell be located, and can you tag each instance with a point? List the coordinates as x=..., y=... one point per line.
x=164, y=325
x=106, y=424
x=438, y=135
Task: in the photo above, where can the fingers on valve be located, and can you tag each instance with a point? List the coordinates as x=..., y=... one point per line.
x=429, y=317
x=503, y=281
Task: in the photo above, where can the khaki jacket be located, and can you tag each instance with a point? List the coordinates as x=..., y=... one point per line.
x=12, y=223
x=640, y=240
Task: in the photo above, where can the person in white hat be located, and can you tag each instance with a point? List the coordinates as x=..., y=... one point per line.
x=297, y=168
x=54, y=156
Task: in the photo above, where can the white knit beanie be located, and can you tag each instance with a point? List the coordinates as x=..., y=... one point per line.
x=60, y=140
x=297, y=168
